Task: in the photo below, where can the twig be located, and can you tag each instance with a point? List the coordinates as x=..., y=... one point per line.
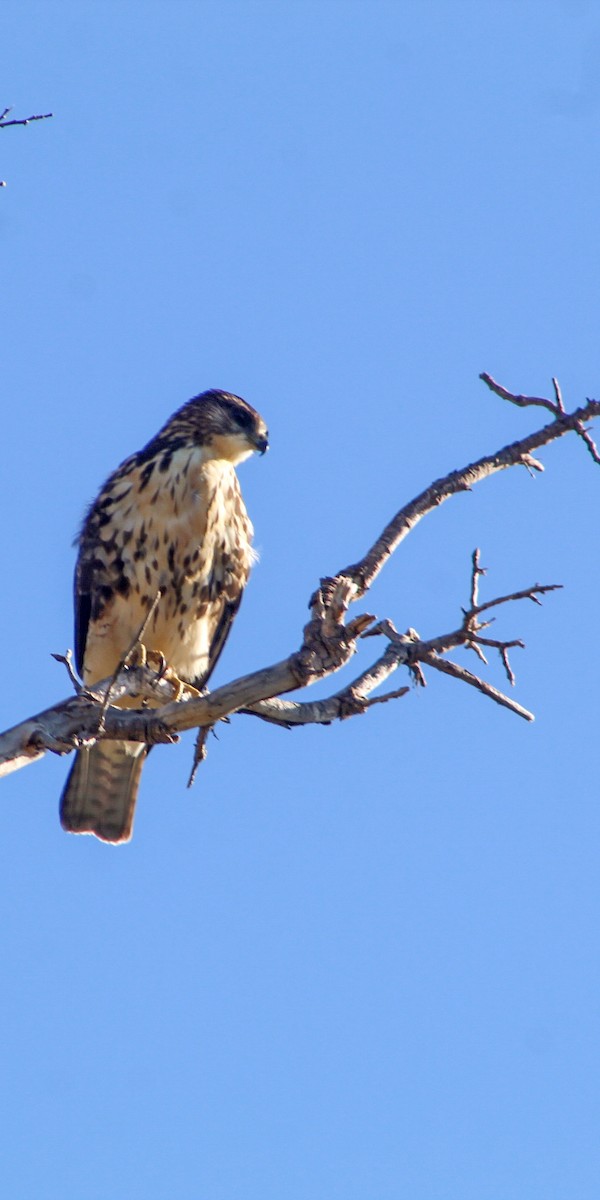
x=120, y=665
x=67, y=660
x=411, y=651
x=451, y=668
x=365, y=571
x=557, y=408
x=532, y=593
x=503, y=648
x=591, y=445
x=557, y=392
x=525, y=401
x=476, y=573
x=24, y=120
x=200, y=752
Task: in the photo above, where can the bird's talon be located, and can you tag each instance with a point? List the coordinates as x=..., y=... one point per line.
x=157, y=660
x=138, y=657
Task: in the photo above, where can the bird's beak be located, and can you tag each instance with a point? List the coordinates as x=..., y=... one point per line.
x=262, y=443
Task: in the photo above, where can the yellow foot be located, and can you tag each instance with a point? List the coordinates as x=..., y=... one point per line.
x=138, y=657
x=157, y=660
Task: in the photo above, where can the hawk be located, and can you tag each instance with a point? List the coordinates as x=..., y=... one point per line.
x=170, y=521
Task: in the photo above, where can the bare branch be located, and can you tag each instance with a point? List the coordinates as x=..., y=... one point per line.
x=363, y=573
x=24, y=120
x=328, y=643
x=531, y=593
x=411, y=650
x=524, y=401
x=591, y=445
x=452, y=668
x=75, y=722
x=292, y=713
x=557, y=407
x=67, y=660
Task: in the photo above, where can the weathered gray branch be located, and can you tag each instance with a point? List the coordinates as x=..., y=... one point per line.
x=329, y=640
x=364, y=572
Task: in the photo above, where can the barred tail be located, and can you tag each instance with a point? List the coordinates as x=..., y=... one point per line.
x=101, y=790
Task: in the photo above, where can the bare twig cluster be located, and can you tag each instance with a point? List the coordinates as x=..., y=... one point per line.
x=556, y=407
x=328, y=643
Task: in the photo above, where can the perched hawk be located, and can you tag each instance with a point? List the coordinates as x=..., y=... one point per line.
x=170, y=518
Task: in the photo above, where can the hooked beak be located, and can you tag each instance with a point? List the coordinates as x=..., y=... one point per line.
x=262, y=443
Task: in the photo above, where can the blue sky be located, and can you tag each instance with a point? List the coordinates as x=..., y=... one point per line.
x=355, y=962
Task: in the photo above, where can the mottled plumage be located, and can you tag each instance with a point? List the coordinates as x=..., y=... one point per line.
x=171, y=518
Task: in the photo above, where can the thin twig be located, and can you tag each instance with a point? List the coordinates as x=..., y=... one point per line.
x=451, y=668
x=476, y=573
x=531, y=593
x=557, y=392
x=503, y=648
x=507, y=667
x=200, y=752
x=557, y=408
x=589, y=442
x=523, y=401
x=67, y=660
x=24, y=120
x=123, y=662
x=365, y=571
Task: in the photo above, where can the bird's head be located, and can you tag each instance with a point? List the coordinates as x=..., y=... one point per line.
x=225, y=424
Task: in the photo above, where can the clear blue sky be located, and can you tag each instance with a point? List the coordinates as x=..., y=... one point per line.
x=359, y=962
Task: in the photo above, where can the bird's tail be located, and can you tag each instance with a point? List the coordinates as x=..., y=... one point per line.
x=101, y=790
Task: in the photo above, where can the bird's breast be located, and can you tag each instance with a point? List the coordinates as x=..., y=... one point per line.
x=183, y=532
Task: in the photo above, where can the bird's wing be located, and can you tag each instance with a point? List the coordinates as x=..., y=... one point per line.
x=220, y=636
x=82, y=598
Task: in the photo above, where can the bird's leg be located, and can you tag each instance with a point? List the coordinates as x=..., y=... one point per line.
x=141, y=656
x=137, y=656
